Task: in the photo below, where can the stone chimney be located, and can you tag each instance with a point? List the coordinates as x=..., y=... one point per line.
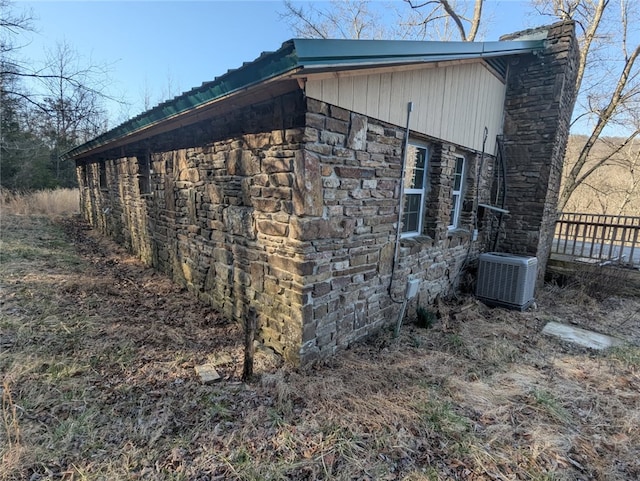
x=538, y=107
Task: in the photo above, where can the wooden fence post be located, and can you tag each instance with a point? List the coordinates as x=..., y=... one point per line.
x=250, y=324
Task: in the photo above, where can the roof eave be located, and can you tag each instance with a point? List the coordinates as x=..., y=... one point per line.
x=322, y=53
x=306, y=55
x=267, y=67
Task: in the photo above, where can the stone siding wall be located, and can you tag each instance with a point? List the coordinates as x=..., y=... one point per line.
x=540, y=98
x=295, y=219
x=217, y=214
x=350, y=236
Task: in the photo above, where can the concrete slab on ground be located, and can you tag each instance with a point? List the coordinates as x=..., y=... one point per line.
x=580, y=336
x=207, y=373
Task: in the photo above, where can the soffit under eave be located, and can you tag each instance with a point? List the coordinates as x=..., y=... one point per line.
x=137, y=140
x=321, y=73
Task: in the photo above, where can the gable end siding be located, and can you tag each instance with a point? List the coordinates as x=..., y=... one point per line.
x=453, y=103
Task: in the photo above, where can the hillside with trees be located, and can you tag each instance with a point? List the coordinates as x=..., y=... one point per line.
x=614, y=187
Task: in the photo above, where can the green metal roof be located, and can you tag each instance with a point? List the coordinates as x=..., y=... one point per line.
x=314, y=53
x=308, y=55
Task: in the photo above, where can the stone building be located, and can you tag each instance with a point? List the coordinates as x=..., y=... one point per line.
x=277, y=187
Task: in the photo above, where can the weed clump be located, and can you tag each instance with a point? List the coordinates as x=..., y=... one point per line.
x=425, y=318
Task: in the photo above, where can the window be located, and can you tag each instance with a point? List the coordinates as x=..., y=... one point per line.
x=414, y=190
x=84, y=177
x=456, y=195
x=144, y=173
x=103, y=174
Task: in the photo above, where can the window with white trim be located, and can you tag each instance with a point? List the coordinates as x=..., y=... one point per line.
x=456, y=194
x=414, y=189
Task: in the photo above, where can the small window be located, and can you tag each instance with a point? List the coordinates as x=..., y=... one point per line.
x=414, y=190
x=144, y=174
x=103, y=174
x=84, y=176
x=456, y=194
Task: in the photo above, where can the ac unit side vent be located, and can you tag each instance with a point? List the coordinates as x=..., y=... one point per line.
x=507, y=280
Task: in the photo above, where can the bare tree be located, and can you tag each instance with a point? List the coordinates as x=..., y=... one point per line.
x=364, y=19
x=70, y=104
x=146, y=95
x=11, y=24
x=630, y=185
x=441, y=14
x=339, y=19
x=608, y=82
x=613, y=188
x=171, y=88
x=60, y=100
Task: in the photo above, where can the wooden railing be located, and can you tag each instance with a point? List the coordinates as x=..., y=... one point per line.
x=604, y=238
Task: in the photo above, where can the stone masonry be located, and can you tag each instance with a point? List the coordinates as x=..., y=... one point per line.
x=538, y=107
x=351, y=238
x=216, y=216
x=289, y=206
x=296, y=222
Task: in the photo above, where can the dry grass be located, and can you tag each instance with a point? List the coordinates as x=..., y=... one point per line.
x=98, y=357
x=43, y=202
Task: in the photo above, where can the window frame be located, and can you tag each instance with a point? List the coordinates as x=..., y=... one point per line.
x=102, y=175
x=84, y=173
x=144, y=173
x=421, y=192
x=456, y=203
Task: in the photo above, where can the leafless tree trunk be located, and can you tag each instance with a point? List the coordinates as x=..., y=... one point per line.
x=609, y=95
x=434, y=8
x=360, y=19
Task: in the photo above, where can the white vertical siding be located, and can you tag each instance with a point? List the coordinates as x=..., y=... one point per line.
x=452, y=103
x=373, y=95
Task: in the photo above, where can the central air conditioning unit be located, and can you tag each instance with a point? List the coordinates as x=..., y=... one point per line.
x=507, y=280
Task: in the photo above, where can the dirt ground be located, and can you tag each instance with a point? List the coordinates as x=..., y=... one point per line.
x=97, y=357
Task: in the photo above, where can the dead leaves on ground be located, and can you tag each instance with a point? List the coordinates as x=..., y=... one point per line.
x=99, y=357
